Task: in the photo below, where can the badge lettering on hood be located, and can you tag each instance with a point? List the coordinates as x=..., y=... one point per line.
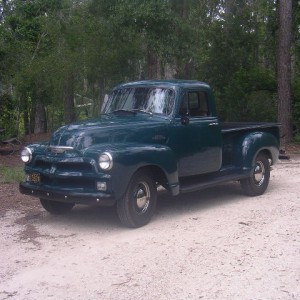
x=159, y=137
x=59, y=149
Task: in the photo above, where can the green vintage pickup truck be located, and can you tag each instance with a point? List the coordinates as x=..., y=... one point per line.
x=150, y=134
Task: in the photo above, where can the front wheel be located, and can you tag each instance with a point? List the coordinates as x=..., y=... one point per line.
x=56, y=207
x=258, y=182
x=137, y=206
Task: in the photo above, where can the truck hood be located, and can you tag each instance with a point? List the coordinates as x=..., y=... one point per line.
x=111, y=129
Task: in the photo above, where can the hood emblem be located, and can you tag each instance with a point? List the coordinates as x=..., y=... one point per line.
x=59, y=149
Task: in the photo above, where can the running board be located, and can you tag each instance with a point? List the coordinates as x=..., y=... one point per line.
x=192, y=184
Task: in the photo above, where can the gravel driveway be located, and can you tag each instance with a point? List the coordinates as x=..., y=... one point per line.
x=213, y=244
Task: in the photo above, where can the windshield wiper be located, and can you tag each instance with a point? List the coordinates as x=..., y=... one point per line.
x=132, y=111
x=142, y=111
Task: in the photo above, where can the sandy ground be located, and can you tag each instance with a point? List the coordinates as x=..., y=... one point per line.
x=213, y=244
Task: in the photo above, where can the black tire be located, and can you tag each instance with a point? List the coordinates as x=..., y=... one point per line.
x=137, y=206
x=55, y=207
x=258, y=182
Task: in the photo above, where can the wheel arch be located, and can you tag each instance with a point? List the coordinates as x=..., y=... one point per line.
x=267, y=153
x=157, y=173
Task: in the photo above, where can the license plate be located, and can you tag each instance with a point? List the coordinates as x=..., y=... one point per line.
x=34, y=177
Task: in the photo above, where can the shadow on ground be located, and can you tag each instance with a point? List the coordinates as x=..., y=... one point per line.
x=167, y=207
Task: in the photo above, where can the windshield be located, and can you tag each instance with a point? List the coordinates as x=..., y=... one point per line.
x=152, y=100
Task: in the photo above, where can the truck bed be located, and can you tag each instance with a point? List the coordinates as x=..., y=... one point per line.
x=232, y=134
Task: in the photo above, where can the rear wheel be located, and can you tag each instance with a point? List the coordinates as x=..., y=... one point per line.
x=55, y=207
x=258, y=182
x=136, y=208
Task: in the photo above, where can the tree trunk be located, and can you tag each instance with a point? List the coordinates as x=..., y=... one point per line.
x=169, y=71
x=26, y=115
x=284, y=70
x=153, y=70
x=40, y=121
x=69, y=110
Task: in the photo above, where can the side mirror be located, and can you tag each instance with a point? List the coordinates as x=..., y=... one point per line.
x=185, y=120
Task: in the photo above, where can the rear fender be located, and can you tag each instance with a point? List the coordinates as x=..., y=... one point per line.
x=254, y=143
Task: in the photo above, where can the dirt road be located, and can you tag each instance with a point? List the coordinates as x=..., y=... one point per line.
x=213, y=244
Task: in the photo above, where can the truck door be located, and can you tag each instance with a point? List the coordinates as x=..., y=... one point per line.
x=197, y=135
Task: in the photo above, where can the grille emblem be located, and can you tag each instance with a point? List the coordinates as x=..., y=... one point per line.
x=52, y=170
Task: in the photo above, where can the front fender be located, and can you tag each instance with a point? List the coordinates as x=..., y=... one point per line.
x=128, y=158
x=255, y=142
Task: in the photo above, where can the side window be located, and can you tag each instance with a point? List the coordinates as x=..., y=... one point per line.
x=184, y=108
x=194, y=104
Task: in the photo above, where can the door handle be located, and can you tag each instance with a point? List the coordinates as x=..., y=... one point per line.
x=213, y=124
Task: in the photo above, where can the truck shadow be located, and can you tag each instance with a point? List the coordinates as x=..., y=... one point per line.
x=199, y=200
x=167, y=206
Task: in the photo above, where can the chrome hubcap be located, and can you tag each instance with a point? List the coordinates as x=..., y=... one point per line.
x=142, y=197
x=259, y=173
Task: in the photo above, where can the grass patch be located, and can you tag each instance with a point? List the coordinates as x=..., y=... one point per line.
x=11, y=174
x=296, y=139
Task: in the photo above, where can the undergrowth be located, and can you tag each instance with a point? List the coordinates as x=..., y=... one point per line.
x=11, y=174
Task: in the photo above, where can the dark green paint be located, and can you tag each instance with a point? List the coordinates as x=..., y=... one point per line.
x=170, y=149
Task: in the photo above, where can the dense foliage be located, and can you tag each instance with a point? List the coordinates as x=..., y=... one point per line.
x=59, y=58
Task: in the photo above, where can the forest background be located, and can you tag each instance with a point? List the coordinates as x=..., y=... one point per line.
x=58, y=58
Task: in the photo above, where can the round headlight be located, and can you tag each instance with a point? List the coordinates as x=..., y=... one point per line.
x=105, y=161
x=26, y=155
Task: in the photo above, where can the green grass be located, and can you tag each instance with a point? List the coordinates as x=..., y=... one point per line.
x=296, y=138
x=11, y=174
